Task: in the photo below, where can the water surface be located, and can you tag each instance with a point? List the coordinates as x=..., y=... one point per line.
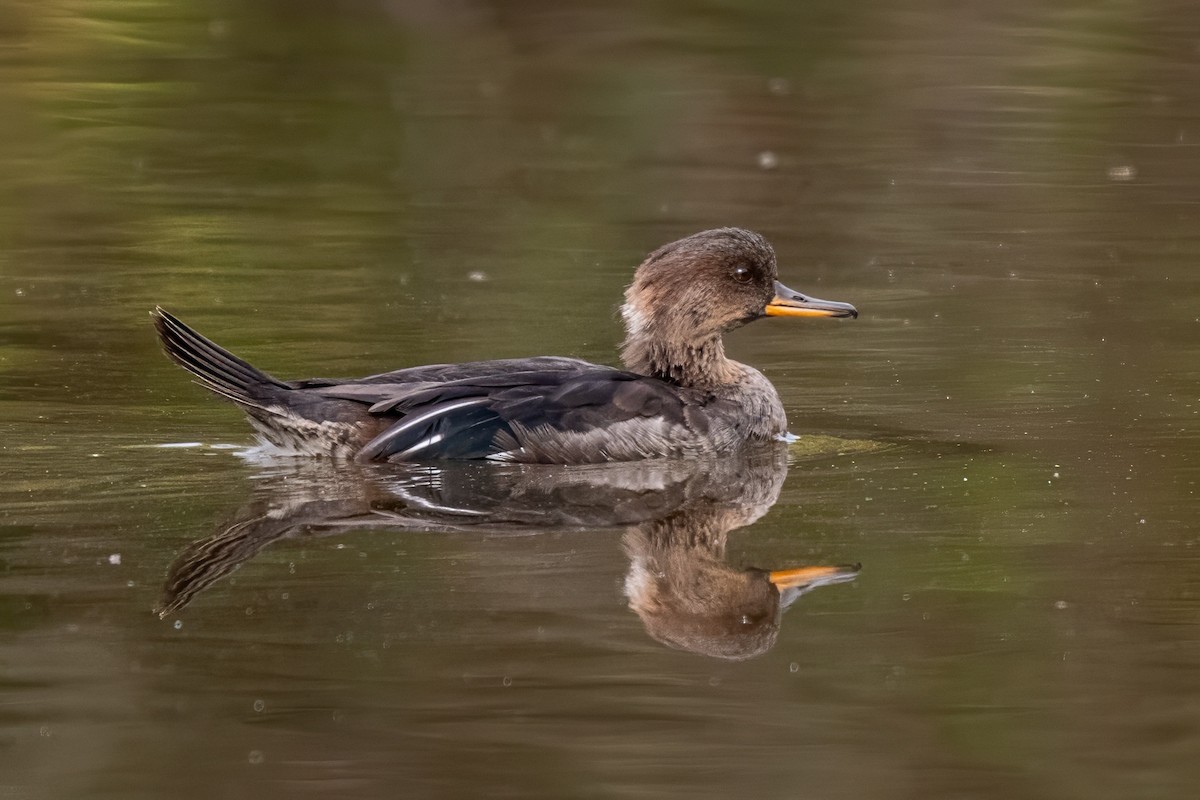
x=1005, y=440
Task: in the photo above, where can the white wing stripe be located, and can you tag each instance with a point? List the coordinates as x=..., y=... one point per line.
x=419, y=446
x=374, y=447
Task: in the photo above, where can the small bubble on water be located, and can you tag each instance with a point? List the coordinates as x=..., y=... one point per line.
x=793, y=667
x=114, y=559
x=256, y=757
x=259, y=705
x=44, y=732
x=507, y=681
x=1060, y=604
x=20, y=292
x=767, y=160
x=178, y=624
x=477, y=276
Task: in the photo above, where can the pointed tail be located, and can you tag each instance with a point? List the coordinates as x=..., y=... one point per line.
x=216, y=368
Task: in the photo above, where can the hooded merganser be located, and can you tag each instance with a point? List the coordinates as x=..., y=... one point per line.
x=679, y=395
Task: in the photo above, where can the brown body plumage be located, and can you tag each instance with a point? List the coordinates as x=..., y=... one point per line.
x=679, y=395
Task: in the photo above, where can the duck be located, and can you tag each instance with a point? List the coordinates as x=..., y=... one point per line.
x=677, y=395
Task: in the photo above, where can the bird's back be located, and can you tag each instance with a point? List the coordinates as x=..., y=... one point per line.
x=543, y=409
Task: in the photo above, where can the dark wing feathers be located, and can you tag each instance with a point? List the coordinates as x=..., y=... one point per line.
x=488, y=414
x=464, y=428
x=593, y=399
x=467, y=410
x=448, y=373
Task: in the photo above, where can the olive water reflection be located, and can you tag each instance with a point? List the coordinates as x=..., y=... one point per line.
x=1010, y=193
x=678, y=515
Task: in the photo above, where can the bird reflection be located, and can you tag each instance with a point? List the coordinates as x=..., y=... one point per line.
x=676, y=515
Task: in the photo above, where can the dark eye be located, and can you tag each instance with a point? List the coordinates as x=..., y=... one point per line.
x=742, y=274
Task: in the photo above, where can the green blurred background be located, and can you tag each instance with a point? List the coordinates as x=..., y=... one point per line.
x=1010, y=193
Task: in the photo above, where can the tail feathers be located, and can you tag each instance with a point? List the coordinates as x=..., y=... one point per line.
x=216, y=368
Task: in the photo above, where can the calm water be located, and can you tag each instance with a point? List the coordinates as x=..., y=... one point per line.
x=1006, y=440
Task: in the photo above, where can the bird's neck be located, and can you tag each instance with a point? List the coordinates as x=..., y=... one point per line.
x=696, y=363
